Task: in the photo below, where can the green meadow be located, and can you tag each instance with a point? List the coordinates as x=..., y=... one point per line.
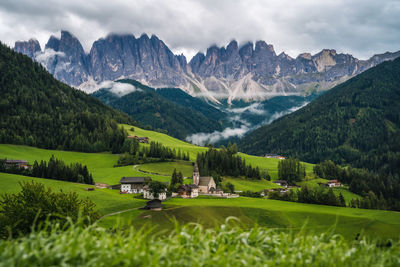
x=315, y=219
x=107, y=200
x=167, y=168
x=207, y=211
x=101, y=165
x=246, y=185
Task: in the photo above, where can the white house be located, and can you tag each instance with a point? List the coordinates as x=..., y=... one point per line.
x=148, y=195
x=333, y=183
x=282, y=183
x=133, y=185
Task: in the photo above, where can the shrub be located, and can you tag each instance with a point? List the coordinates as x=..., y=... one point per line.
x=35, y=204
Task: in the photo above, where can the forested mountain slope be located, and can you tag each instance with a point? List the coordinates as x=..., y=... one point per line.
x=38, y=110
x=357, y=122
x=151, y=108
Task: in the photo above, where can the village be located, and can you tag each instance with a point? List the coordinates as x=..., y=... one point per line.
x=200, y=186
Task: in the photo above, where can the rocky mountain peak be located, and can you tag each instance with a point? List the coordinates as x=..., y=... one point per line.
x=29, y=48
x=325, y=59
x=246, y=51
x=305, y=56
x=262, y=46
x=233, y=46
x=53, y=43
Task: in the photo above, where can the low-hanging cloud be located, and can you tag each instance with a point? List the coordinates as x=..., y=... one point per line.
x=211, y=138
x=256, y=108
x=277, y=115
x=47, y=55
x=245, y=127
x=119, y=89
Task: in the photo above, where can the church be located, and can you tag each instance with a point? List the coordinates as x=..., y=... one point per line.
x=206, y=184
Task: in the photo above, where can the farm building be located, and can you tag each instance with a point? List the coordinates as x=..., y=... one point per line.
x=9, y=163
x=188, y=191
x=274, y=156
x=154, y=204
x=131, y=185
x=333, y=183
x=282, y=183
x=144, y=140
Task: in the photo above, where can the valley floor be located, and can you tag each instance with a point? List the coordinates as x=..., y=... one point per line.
x=123, y=209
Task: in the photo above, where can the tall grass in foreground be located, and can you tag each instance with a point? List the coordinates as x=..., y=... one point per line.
x=192, y=245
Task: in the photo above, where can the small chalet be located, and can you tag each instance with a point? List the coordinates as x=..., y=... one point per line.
x=10, y=163
x=148, y=195
x=188, y=191
x=274, y=156
x=333, y=183
x=206, y=184
x=154, y=204
x=133, y=185
x=144, y=140
x=282, y=183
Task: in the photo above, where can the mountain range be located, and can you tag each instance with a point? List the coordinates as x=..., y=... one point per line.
x=249, y=72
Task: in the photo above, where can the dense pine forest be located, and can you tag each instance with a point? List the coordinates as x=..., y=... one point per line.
x=53, y=169
x=132, y=153
x=357, y=123
x=159, y=113
x=38, y=110
x=226, y=162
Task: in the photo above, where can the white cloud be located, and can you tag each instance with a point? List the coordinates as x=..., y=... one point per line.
x=245, y=127
x=277, y=115
x=47, y=56
x=255, y=108
x=120, y=89
x=204, y=138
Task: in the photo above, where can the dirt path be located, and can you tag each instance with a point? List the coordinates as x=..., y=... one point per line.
x=135, y=167
x=118, y=212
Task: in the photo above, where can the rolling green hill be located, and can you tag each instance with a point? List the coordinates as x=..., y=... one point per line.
x=212, y=212
x=40, y=111
x=150, y=107
x=357, y=122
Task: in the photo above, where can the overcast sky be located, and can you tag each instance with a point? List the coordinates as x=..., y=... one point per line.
x=358, y=27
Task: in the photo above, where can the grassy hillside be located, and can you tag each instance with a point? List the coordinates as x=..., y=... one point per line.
x=357, y=123
x=208, y=211
x=246, y=185
x=269, y=213
x=101, y=165
x=269, y=164
x=167, y=168
x=107, y=201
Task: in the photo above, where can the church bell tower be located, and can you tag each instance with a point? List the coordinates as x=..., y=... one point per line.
x=196, y=174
